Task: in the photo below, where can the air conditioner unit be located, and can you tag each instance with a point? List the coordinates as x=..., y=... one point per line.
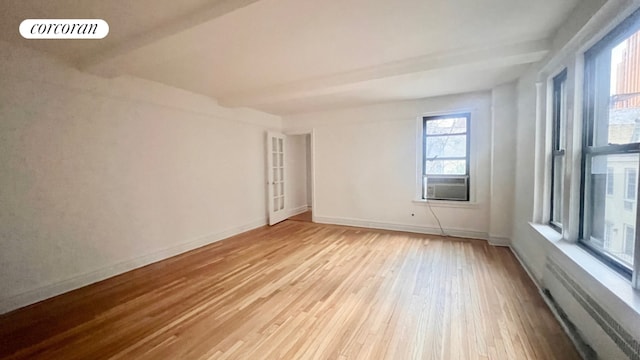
x=447, y=188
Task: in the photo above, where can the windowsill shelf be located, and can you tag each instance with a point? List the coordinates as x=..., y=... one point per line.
x=447, y=204
x=610, y=281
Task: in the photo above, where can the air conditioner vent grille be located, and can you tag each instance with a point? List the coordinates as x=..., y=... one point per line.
x=447, y=188
x=447, y=180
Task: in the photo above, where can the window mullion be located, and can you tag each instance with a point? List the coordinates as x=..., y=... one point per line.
x=447, y=134
x=614, y=149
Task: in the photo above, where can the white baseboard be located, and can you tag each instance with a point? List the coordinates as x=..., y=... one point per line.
x=60, y=287
x=462, y=233
x=575, y=339
x=533, y=274
x=533, y=278
x=297, y=211
x=499, y=241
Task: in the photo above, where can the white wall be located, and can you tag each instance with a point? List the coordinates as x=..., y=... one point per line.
x=525, y=241
x=503, y=157
x=366, y=166
x=296, y=173
x=103, y=175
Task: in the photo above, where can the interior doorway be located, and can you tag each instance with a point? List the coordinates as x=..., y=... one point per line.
x=299, y=176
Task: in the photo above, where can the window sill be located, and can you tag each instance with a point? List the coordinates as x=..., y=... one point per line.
x=547, y=232
x=613, y=283
x=447, y=204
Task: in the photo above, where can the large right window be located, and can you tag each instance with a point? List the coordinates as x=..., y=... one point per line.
x=611, y=147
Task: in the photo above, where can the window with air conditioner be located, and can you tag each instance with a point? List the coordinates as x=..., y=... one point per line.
x=445, y=156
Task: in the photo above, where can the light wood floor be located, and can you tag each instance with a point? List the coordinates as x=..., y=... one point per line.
x=302, y=291
x=305, y=216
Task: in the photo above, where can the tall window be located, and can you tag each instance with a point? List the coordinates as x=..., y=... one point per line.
x=445, y=158
x=558, y=150
x=611, y=146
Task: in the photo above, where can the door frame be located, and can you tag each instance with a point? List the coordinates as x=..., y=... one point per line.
x=312, y=156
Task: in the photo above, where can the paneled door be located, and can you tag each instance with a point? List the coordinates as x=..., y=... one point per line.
x=275, y=176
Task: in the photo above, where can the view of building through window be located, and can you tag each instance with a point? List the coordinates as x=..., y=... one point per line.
x=623, y=127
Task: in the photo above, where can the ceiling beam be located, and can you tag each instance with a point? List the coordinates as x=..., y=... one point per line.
x=103, y=62
x=478, y=58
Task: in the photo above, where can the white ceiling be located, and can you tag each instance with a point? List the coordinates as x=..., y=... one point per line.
x=286, y=56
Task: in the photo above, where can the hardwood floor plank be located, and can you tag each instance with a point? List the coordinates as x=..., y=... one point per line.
x=302, y=290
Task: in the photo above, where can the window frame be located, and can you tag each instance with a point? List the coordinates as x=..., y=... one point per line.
x=467, y=157
x=558, y=123
x=623, y=31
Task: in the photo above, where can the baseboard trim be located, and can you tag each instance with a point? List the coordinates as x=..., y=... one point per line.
x=462, y=233
x=499, y=241
x=533, y=278
x=297, y=211
x=45, y=292
x=577, y=341
x=536, y=276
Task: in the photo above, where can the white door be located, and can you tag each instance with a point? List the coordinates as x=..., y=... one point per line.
x=275, y=175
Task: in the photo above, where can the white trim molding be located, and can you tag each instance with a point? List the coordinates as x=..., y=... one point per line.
x=297, y=211
x=60, y=287
x=568, y=328
x=499, y=241
x=461, y=233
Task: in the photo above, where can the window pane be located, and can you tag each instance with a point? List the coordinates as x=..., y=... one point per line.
x=446, y=146
x=561, y=119
x=558, y=132
x=558, y=189
x=612, y=218
x=447, y=126
x=629, y=240
x=559, y=110
x=610, y=181
x=608, y=234
x=630, y=184
x=617, y=98
x=445, y=167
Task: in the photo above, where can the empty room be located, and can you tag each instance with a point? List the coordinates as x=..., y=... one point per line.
x=305, y=179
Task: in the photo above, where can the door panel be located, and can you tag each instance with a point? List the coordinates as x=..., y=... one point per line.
x=275, y=171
